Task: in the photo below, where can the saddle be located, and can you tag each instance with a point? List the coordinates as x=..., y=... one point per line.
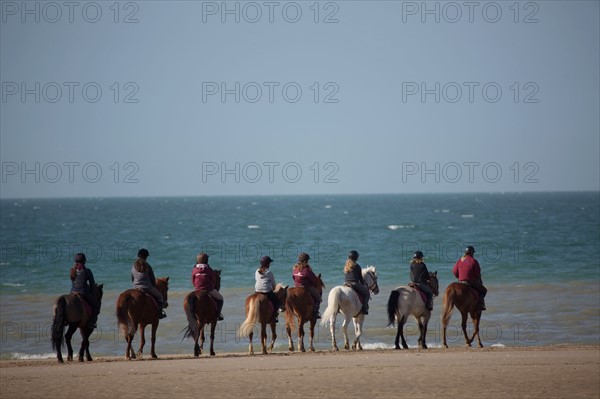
x=419, y=291
x=361, y=298
x=213, y=301
x=152, y=299
x=474, y=292
x=86, y=306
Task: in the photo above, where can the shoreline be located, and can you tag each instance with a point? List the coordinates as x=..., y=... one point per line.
x=555, y=371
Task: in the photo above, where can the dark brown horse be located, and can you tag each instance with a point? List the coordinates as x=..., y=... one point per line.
x=200, y=310
x=299, y=305
x=463, y=297
x=260, y=310
x=138, y=308
x=69, y=310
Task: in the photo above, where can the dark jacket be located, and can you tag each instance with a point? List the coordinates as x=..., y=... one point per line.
x=419, y=273
x=83, y=281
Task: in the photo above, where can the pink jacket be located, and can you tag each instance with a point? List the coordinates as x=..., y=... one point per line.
x=204, y=277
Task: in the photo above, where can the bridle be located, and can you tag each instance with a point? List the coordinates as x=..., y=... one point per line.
x=373, y=286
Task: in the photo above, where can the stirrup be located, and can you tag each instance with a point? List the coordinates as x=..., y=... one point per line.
x=162, y=314
x=220, y=317
x=316, y=315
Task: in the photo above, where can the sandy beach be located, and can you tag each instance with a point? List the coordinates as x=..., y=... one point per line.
x=532, y=372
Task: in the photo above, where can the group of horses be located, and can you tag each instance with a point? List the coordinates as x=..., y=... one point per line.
x=135, y=308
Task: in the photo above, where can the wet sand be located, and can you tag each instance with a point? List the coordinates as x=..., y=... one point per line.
x=531, y=372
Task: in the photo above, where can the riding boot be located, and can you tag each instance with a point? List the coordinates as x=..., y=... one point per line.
x=93, y=320
x=482, y=304
x=162, y=314
x=275, y=315
x=219, y=308
x=429, y=305
x=316, y=313
x=365, y=308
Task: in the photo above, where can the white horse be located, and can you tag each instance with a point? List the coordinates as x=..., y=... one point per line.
x=344, y=299
x=405, y=301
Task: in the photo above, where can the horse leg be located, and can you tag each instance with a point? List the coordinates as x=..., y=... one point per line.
x=423, y=330
x=212, y=337
x=313, y=321
x=68, y=336
x=301, y=336
x=263, y=338
x=332, y=329
x=250, y=336
x=153, y=340
x=401, y=323
x=463, y=324
x=142, y=340
x=357, y=332
x=197, y=350
x=288, y=329
x=476, y=332
x=273, y=336
x=85, y=344
x=202, y=338
x=345, y=331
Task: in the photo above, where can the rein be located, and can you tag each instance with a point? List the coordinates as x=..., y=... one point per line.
x=374, y=285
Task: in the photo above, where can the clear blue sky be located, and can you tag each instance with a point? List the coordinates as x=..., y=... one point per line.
x=374, y=97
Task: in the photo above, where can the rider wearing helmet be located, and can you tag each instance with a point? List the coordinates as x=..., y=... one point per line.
x=142, y=278
x=353, y=278
x=419, y=276
x=265, y=283
x=82, y=281
x=205, y=278
x=467, y=271
x=304, y=277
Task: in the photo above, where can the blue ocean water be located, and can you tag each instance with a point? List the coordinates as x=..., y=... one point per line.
x=539, y=254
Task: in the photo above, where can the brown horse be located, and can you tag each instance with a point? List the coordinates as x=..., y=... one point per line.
x=259, y=310
x=299, y=305
x=138, y=308
x=462, y=296
x=69, y=310
x=200, y=310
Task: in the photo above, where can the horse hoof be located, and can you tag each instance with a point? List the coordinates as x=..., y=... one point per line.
x=212, y=353
x=397, y=347
x=154, y=357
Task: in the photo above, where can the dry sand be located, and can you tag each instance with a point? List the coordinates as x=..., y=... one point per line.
x=534, y=372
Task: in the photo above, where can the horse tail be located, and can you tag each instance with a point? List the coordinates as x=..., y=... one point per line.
x=58, y=323
x=190, y=313
x=449, y=299
x=251, y=319
x=392, y=306
x=333, y=306
x=123, y=317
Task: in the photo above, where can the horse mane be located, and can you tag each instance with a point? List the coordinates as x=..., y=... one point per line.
x=370, y=268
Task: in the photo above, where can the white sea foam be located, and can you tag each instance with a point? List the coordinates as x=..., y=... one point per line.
x=467, y=216
x=253, y=226
x=400, y=226
x=13, y=284
x=498, y=346
x=27, y=356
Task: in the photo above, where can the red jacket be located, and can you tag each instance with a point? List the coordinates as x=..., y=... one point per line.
x=204, y=277
x=304, y=277
x=467, y=269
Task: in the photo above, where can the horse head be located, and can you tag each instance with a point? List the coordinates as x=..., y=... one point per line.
x=433, y=281
x=218, y=282
x=162, y=285
x=320, y=285
x=281, y=292
x=370, y=276
x=97, y=292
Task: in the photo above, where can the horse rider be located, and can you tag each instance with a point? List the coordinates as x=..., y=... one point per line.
x=142, y=278
x=304, y=277
x=265, y=283
x=353, y=278
x=205, y=278
x=467, y=271
x=82, y=282
x=419, y=276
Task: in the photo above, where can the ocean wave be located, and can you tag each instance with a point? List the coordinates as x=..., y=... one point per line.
x=28, y=356
x=467, y=215
x=401, y=226
x=253, y=226
x=13, y=284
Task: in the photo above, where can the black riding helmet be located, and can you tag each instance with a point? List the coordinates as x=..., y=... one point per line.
x=353, y=255
x=470, y=250
x=80, y=258
x=418, y=255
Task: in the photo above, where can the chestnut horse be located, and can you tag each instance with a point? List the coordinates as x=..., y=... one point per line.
x=260, y=310
x=345, y=299
x=200, y=310
x=69, y=310
x=405, y=301
x=467, y=302
x=299, y=305
x=136, y=307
